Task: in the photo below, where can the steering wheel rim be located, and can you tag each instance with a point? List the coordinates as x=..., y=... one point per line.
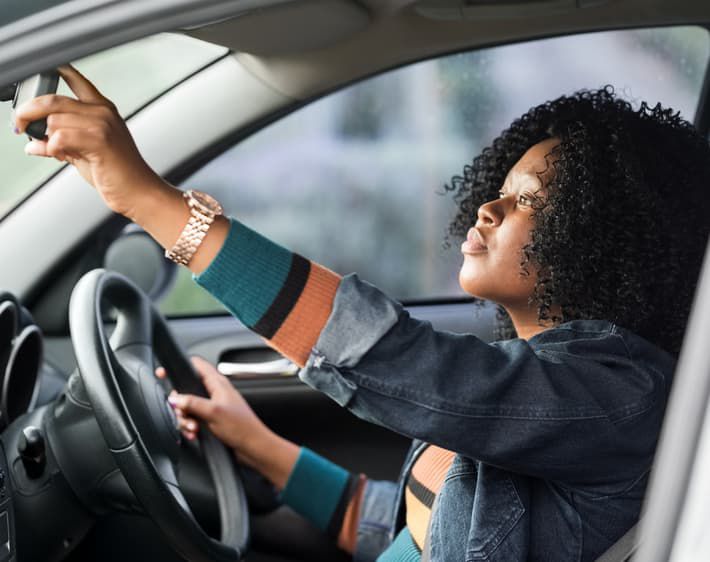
x=129, y=404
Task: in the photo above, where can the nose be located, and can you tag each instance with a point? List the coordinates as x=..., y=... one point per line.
x=490, y=213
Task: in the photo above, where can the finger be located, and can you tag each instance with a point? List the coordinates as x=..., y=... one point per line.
x=56, y=121
x=60, y=145
x=188, y=424
x=41, y=148
x=193, y=405
x=161, y=373
x=40, y=107
x=172, y=401
x=188, y=427
x=80, y=85
x=75, y=143
x=184, y=421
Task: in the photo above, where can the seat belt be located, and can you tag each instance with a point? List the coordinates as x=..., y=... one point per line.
x=622, y=549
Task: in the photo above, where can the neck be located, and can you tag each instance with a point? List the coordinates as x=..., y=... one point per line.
x=526, y=323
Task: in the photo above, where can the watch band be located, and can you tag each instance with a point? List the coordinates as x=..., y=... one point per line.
x=203, y=210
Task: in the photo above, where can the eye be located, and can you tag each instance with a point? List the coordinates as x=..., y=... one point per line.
x=501, y=194
x=524, y=200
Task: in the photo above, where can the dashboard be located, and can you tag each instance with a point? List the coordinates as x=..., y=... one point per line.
x=21, y=355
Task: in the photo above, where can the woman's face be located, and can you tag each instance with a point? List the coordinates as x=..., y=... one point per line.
x=492, y=252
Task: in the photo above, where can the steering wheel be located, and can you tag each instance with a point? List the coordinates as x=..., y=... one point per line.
x=137, y=422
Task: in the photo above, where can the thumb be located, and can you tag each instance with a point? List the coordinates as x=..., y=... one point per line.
x=193, y=405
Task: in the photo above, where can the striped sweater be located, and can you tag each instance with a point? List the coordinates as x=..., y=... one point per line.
x=287, y=300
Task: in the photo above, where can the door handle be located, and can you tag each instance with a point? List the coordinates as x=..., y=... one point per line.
x=265, y=369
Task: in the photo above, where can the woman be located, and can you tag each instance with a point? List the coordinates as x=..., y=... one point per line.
x=585, y=221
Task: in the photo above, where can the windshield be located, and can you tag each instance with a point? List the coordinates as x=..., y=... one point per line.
x=131, y=75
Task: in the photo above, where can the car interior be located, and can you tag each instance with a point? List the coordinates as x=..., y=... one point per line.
x=332, y=126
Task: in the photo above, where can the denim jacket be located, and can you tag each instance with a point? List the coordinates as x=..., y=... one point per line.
x=554, y=436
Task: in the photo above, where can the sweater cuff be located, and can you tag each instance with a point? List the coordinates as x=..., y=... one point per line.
x=247, y=274
x=315, y=488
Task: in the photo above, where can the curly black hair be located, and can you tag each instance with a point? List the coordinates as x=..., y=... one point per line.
x=625, y=224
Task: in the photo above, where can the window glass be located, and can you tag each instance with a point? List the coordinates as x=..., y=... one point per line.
x=354, y=180
x=130, y=75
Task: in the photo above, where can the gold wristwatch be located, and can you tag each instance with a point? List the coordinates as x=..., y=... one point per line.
x=203, y=209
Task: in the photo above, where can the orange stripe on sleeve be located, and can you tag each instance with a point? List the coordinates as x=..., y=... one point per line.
x=347, y=538
x=300, y=331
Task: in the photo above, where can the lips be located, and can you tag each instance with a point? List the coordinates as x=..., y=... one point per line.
x=474, y=243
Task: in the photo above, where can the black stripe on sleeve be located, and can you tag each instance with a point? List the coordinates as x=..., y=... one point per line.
x=421, y=492
x=271, y=321
x=336, y=520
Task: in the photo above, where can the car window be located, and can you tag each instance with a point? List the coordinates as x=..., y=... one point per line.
x=131, y=75
x=354, y=180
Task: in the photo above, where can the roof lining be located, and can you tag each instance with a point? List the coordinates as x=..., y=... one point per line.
x=398, y=34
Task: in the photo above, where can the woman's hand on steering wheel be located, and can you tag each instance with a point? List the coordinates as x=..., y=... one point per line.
x=226, y=414
x=230, y=418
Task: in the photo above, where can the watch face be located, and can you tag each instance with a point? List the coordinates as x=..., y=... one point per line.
x=208, y=203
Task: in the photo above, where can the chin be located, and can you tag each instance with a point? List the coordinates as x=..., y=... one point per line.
x=473, y=282
x=496, y=286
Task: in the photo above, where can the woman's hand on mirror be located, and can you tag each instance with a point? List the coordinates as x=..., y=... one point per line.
x=89, y=133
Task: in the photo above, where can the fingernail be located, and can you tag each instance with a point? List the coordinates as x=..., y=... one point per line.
x=173, y=400
x=192, y=426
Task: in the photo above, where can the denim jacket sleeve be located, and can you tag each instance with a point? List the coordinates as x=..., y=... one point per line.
x=564, y=405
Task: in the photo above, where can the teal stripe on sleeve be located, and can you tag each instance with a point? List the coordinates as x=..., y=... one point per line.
x=315, y=487
x=402, y=549
x=247, y=274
